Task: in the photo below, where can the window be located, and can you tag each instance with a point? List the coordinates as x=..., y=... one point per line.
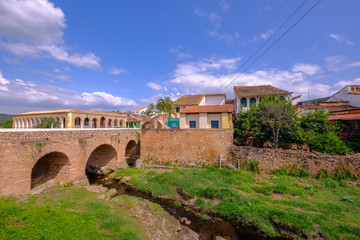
x=243, y=102
x=214, y=124
x=192, y=124
x=252, y=101
x=178, y=109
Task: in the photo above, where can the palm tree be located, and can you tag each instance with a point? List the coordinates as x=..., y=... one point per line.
x=150, y=110
x=165, y=105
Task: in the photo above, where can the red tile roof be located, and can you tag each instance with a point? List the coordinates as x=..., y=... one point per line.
x=208, y=109
x=138, y=109
x=229, y=101
x=264, y=90
x=353, y=116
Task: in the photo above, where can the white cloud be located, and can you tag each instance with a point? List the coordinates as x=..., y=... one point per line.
x=224, y=4
x=22, y=96
x=308, y=69
x=118, y=71
x=208, y=75
x=3, y=81
x=264, y=36
x=339, y=63
x=354, y=64
x=340, y=38
x=36, y=21
x=34, y=28
x=156, y=97
x=154, y=86
x=216, y=22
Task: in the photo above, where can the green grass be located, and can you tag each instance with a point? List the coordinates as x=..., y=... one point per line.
x=295, y=205
x=66, y=213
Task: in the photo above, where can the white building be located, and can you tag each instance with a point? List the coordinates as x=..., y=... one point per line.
x=245, y=96
x=350, y=94
x=140, y=111
x=204, y=111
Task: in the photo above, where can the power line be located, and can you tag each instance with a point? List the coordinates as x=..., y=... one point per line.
x=267, y=40
x=262, y=30
x=276, y=41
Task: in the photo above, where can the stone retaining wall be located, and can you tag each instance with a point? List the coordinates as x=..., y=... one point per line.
x=312, y=161
x=185, y=146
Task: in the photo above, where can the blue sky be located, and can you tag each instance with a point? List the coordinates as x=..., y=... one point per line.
x=120, y=55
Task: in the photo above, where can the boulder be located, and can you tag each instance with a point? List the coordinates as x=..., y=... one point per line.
x=125, y=179
x=112, y=192
x=185, y=221
x=187, y=234
x=138, y=163
x=230, y=166
x=95, y=188
x=219, y=238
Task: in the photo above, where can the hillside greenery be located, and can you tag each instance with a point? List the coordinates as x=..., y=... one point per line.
x=7, y=124
x=298, y=207
x=5, y=117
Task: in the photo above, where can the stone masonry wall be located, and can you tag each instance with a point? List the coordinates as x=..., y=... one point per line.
x=185, y=146
x=21, y=150
x=312, y=161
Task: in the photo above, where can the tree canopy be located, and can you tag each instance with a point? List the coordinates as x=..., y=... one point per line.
x=165, y=105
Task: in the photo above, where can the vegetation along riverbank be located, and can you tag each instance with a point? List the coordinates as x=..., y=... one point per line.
x=276, y=204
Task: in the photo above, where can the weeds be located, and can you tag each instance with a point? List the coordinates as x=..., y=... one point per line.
x=264, y=201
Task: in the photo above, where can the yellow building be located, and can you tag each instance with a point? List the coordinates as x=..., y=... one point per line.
x=71, y=118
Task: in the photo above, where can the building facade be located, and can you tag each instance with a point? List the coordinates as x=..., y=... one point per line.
x=203, y=111
x=140, y=111
x=71, y=118
x=350, y=94
x=207, y=116
x=245, y=96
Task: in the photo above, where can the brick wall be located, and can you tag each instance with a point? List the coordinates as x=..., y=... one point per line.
x=21, y=150
x=313, y=161
x=185, y=146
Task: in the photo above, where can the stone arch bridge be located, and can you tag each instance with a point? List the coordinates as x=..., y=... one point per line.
x=34, y=156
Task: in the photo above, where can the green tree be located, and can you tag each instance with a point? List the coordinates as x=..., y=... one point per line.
x=165, y=105
x=315, y=121
x=278, y=115
x=48, y=123
x=150, y=110
x=246, y=124
x=7, y=124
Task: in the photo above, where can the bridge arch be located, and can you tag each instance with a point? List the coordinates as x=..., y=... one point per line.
x=53, y=165
x=130, y=149
x=104, y=155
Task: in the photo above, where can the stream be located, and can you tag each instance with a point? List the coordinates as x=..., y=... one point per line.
x=207, y=229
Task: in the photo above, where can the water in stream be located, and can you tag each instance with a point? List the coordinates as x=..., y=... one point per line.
x=207, y=229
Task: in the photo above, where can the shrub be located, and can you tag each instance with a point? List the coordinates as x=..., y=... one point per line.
x=254, y=166
x=209, y=192
x=199, y=202
x=330, y=183
x=298, y=172
x=324, y=173
x=280, y=171
x=346, y=174
x=328, y=143
x=350, y=175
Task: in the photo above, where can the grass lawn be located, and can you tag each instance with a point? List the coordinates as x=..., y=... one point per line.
x=297, y=207
x=66, y=213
